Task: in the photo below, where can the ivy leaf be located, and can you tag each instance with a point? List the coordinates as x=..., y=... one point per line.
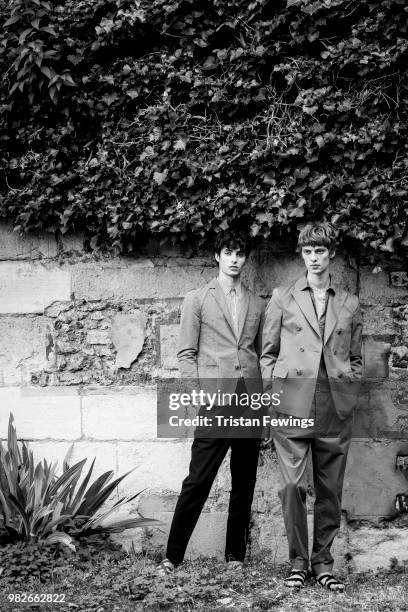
x=317, y=182
x=310, y=110
x=110, y=98
x=180, y=144
x=160, y=177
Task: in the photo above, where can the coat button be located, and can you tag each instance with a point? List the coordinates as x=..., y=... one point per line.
x=302, y=350
x=299, y=372
x=339, y=331
x=237, y=367
x=298, y=329
x=340, y=375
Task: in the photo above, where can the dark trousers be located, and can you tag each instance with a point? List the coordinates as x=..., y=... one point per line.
x=206, y=457
x=328, y=447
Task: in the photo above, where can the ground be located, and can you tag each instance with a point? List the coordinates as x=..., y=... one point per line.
x=106, y=580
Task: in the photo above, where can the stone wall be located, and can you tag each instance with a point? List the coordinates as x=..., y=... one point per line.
x=83, y=338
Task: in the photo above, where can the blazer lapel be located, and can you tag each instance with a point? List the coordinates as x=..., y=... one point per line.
x=221, y=301
x=243, y=311
x=334, y=306
x=304, y=301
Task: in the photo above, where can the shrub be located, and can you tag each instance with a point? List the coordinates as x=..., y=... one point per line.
x=39, y=506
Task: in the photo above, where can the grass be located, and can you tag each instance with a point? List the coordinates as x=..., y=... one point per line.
x=106, y=580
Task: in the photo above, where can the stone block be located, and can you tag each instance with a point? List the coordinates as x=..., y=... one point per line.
x=128, y=336
x=98, y=336
x=53, y=452
x=371, y=481
x=24, y=344
x=39, y=412
x=271, y=538
x=153, y=501
x=375, y=358
x=31, y=287
x=158, y=464
x=399, y=279
x=14, y=246
x=373, y=549
x=126, y=415
x=73, y=243
x=207, y=540
x=377, y=411
x=105, y=454
x=135, y=280
x=399, y=357
x=378, y=322
x=169, y=335
x=376, y=289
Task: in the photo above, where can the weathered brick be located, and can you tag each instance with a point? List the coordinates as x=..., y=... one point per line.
x=151, y=502
x=378, y=322
x=98, y=336
x=371, y=481
x=41, y=412
x=72, y=243
x=126, y=415
x=376, y=289
x=105, y=454
x=28, y=246
x=373, y=549
x=24, y=344
x=30, y=287
x=169, y=335
x=399, y=357
x=270, y=537
x=399, y=279
x=128, y=336
x=375, y=358
x=208, y=538
x=136, y=280
x=160, y=465
x=380, y=414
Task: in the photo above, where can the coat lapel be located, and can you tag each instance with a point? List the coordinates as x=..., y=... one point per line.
x=243, y=311
x=221, y=301
x=334, y=306
x=304, y=301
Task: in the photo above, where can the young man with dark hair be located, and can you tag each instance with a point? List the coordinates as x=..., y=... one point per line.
x=312, y=355
x=219, y=346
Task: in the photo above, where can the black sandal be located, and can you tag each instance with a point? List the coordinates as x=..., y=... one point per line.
x=329, y=582
x=164, y=568
x=296, y=579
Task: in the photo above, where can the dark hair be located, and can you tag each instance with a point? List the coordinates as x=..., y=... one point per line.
x=318, y=234
x=232, y=240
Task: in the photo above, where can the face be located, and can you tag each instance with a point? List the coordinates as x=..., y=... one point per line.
x=316, y=258
x=231, y=261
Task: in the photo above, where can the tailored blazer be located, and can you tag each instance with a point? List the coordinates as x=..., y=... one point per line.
x=292, y=348
x=209, y=350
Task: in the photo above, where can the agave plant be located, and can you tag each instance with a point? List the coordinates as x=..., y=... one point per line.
x=37, y=505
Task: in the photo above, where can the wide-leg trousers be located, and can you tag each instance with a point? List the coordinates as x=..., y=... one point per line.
x=328, y=447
